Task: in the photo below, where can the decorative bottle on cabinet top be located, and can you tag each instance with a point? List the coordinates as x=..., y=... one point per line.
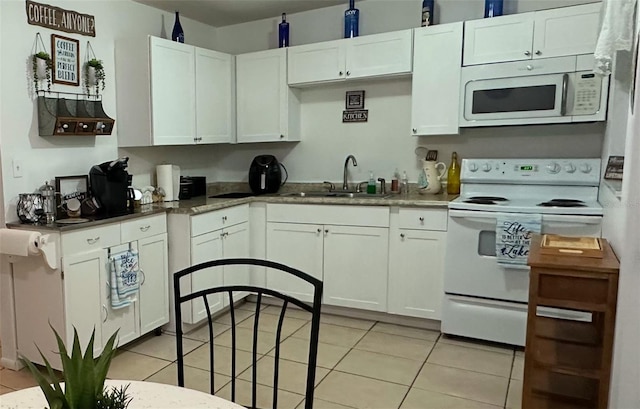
x=351, y=20
x=493, y=8
x=453, y=176
x=427, y=12
x=177, y=34
x=283, y=32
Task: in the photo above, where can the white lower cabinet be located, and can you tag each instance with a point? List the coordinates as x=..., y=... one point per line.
x=351, y=260
x=204, y=248
x=416, y=263
x=154, y=287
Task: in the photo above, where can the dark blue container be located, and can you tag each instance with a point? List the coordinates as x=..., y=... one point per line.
x=177, y=34
x=283, y=32
x=427, y=12
x=351, y=20
x=493, y=8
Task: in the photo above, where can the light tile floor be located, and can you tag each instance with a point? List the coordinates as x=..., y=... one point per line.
x=361, y=364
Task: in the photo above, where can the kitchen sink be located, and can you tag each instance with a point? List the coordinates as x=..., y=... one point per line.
x=352, y=195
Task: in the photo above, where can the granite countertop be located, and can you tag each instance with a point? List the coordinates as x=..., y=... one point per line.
x=204, y=204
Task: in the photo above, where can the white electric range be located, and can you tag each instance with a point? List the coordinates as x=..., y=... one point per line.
x=487, y=300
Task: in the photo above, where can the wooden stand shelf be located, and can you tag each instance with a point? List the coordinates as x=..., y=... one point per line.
x=567, y=362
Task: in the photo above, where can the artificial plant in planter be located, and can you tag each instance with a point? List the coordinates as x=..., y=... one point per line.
x=42, y=65
x=83, y=377
x=94, y=75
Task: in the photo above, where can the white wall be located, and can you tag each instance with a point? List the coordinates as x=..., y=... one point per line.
x=45, y=158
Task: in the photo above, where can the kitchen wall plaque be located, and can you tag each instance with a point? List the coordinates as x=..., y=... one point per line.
x=354, y=107
x=615, y=167
x=55, y=18
x=66, y=64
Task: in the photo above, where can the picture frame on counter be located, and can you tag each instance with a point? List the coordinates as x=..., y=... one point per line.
x=67, y=188
x=65, y=53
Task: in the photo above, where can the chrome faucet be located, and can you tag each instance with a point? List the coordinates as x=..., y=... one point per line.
x=345, y=185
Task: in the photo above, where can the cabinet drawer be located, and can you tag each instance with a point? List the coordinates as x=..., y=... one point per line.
x=368, y=216
x=208, y=222
x=90, y=239
x=143, y=227
x=423, y=219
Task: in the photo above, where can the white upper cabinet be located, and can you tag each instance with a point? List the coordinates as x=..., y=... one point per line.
x=541, y=34
x=435, y=89
x=267, y=110
x=215, y=89
x=360, y=57
x=171, y=93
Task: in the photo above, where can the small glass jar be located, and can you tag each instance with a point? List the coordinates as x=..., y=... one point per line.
x=49, y=202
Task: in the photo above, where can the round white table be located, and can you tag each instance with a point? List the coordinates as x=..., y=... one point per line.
x=146, y=395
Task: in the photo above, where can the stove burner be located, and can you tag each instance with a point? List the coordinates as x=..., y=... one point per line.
x=480, y=201
x=490, y=198
x=563, y=203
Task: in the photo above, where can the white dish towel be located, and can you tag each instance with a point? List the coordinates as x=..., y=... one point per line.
x=513, y=237
x=616, y=34
x=124, y=278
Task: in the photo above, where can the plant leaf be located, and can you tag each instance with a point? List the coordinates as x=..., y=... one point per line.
x=54, y=397
x=86, y=388
x=104, y=361
x=69, y=366
x=53, y=379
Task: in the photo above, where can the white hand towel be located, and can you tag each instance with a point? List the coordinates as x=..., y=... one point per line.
x=616, y=34
x=513, y=237
x=124, y=278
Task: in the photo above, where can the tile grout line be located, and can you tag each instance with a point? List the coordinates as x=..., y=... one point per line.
x=419, y=370
x=506, y=397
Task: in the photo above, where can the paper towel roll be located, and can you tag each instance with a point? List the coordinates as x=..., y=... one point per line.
x=169, y=181
x=19, y=242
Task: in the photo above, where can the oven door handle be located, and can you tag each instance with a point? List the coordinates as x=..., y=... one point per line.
x=548, y=219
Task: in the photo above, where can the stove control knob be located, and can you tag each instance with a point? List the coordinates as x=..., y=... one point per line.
x=553, y=167
x=585, y=168
x=473, y=167
x=486, y=167
x=570, y=168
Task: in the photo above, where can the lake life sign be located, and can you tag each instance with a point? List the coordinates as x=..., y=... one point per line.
x=66, y=61
x=55, y=18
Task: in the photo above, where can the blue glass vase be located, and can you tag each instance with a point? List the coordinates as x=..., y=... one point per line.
x=351, y=20
x=283, y=32
x=493, y=8
x=177, y=34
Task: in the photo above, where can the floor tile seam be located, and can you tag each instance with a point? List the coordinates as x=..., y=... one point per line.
x=158, y=371
x=371, y=377
x=456, y=396
x=468, y=370
x=348, y=326
x=408, y=336
x=150, y=356
x=411, y=386
x=8, y=387
x=511, y=355
x=386, y=355
x=505, y=352
x=286, y=390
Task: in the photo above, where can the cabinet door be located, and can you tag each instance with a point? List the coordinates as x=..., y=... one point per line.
x=154, y=287
x=83, y=294
x=566, y=31
x=214, y=97
x=124, y=320
x=204, y=248
x=380, y=54
x=356, y=267
x=416, y=266
x=316, y=62
x=172, y=92
x=498, y=39
x=435, y=90
x=299, y=246
x=235, y=244
x=262, y=96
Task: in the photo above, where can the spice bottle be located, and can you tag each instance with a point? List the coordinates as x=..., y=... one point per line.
x=453, y=176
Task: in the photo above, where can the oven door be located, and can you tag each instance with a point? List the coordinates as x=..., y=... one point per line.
x=471, y=268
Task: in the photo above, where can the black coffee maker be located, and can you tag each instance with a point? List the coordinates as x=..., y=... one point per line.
x=110, y=185
x=265, y=175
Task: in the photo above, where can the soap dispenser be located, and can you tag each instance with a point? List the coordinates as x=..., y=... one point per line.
x=371, y=185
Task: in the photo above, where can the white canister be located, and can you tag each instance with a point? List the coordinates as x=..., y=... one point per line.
x=430, y=175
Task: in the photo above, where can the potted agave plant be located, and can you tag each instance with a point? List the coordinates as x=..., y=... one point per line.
x=83, y=377
x=42, y=65
x=94, y=75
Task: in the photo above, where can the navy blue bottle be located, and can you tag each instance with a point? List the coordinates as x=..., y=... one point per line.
x=283, y=32
x=351, y=20
x=493, y=8
x=427, y=13
x=177, y=34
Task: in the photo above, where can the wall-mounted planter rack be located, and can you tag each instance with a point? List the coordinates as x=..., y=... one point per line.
x=82, y=115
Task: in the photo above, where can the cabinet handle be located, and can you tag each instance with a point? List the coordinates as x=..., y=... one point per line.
x=106, y=313
x=145, y=228
x=348, y=73
x=319, y=230
x=144, y=277
x=421, y=219
x=527, y=53
x=224, y=219
x=538, y=52
x=326, y=231
x=415, y=130
x=93, y=240
x=402, y=235
x=281, y=136
x=341, y=73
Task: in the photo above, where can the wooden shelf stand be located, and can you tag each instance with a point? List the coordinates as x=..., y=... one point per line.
x=568, y=362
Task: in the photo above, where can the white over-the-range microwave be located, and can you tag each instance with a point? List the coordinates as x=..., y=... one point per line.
x=551, y=90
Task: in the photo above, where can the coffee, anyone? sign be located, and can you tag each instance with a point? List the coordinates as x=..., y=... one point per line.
x=55, y=18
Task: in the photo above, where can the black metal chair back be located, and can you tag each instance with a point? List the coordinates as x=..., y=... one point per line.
x=286, y=299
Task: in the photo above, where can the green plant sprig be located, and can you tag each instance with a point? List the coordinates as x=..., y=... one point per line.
x=41, y=55
x=98, y=66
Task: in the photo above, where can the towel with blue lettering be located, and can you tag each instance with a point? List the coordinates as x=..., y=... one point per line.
x=124, y=278
x=513, y=237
